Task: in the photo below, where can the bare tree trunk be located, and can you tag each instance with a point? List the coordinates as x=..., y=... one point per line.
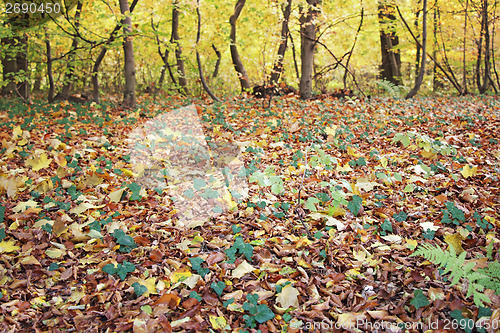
x=482, y=87
x=389, y=40
x=50, y=75
x=307, y=46
x=217, y=64
x=417, y=55
x=464, y=79
x=69, y=75
x=128, y=50
x=436, y=82
x=278, y=65
x=178, y=51
x=238, y=64
x=294, y=53
x=102, y=54
x=493, y=48
x=198, y=60
x=418, y=81
x=346, y=69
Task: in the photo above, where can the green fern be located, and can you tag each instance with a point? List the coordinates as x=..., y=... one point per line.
x=459, y=270
x=493, y=276
x=390, y=88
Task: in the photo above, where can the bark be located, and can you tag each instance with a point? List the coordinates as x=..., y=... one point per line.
x=198, y=60
x=217, y=64
x=494, y=67
x=483, y=86
x=102, y=54
x=69, y=76
x=178, y=51
x=164, y=58
x=235, y=56
x=9, y=64
x=128, y=49
x=389, y=40
x=436, y=81
x=417, y=56
x=50, y=75
x=420, y=77
x=464, y=79
x=294, y=53
x=307, y=46
x=278, y=65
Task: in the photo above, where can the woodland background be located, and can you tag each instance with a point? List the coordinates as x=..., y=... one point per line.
x=369, y=47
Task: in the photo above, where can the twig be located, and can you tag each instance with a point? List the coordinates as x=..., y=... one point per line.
x=298, y=202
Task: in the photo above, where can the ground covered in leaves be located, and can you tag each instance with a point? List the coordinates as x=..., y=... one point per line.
x=84, y=247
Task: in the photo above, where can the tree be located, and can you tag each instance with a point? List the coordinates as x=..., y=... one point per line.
x=278, y=65
x=128, y=49
x=235, y=56
x=307, y=46
x=420, y=77
x=485, y=33
x=178, y=51
x=390, y=68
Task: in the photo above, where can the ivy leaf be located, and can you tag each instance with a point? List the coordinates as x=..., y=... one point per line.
x=218, y=287
x=126, y=243
x=139, y=289
x=263, y=314
x=196, y=264
x=109, y=268
x=355, y=204
x=419, y=300
x=195, y=295
x=400, y=217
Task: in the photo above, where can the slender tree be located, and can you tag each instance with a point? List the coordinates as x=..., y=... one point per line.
x=420, y=77
x=307, y=46
x=278, y=65
x=389, y=41
x=235, y=56
x=483, y=86
x=178, y=50
x=129, y=64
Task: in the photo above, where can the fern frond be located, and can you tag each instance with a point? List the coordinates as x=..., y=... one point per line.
x=459, y=270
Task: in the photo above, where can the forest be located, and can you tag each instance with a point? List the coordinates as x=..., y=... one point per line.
x=249, y=166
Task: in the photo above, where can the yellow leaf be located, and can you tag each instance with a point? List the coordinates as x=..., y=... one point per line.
x=218, y=323
x=76, y=296
x=346, y=167
x=228, y=199
x=17, y=132
x=383, y=161
x=55, y=253
x=150, y=284
x=8, y=246
x=468, y=171
x=454, y=241
x=180, y=275
x=127, y=172
x=331, y=130
x=352, y=152
x=39, y=162
x=30, y=260
x=10, y=185
x=411, y=244
x=22, y=206
x=116, y=196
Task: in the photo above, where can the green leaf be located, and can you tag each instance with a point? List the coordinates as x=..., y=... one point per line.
x=195, y=295
x=355, y=204
x=139, y=289
x=199, y=183
x=387, y=225
x=263, y=314
x=109, y=268
x=218, y=287
x=310, y=203
x=2, y=234
x=126, y=243
x=400, y=217
x=419, y=300
x=196, y=264
x=2, y=213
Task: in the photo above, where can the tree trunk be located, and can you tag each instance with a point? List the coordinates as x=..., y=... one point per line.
x=389, y=40
x=9, y=64
x=235, y=56
x=69, y=76
x=102, y=54
x=482, y=87
x=217, y=64
x=50, y=75
x=178, y=51
x=307, y=46
x=417, y=55
x=128, y=49
x=23, y=87
x=464, y=78
x=198, y=60
x=420, y=77
x=278, y=65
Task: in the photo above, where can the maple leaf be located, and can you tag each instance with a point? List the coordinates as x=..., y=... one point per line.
x=468, y=171
x=39, y=162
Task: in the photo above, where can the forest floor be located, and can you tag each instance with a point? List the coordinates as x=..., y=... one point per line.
x=91, y=240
